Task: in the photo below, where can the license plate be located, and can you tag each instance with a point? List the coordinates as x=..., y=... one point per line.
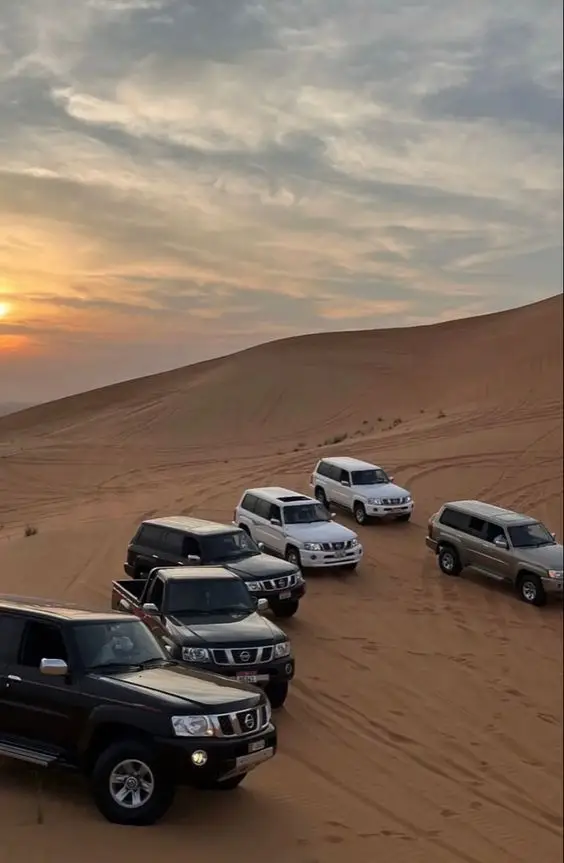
x=245, y=677
x=286, y=594
x=257, y=745
x=254, y=758
x=340, y=554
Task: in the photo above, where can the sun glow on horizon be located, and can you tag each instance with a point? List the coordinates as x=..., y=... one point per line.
x=4, y=309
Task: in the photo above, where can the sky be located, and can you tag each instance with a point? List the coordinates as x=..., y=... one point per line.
x=179, y=180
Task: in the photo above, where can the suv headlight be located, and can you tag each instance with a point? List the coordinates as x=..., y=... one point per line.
x=374, y=501
x=195, y=654
x=408, y=498
x=355, y=542
x=253, y=585
x=192, y=726
x=268, y=709
x=284, y=648
x=313, y=546
x=554, y=573
x=298, y=576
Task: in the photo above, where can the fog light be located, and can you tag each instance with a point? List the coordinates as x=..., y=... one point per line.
x=288, y=668
x=199, y=758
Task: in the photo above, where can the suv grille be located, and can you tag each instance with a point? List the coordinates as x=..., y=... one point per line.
x=336, y=546
x=391, y=501
x=283, y=583
x=241, y=723
x=243, y=655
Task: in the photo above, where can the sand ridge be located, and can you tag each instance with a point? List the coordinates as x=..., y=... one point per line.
x=425, y=721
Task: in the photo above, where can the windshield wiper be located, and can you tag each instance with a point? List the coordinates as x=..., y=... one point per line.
x=114, y=666
x=156, y=662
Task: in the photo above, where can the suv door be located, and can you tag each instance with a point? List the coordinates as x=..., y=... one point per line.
x=11, y=627
x=342, y=494
x=42, y=710
x=490, y=558
x=144, y=551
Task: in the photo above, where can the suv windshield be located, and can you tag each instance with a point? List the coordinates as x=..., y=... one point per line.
x=207, y=596
x=127, y=642
x=377, y=476
x=232, y=545
x=530, y=535
x=305, y=513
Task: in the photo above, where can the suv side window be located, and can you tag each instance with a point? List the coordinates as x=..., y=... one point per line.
x=454, y=518
x=151, y=535
x=190, y=547
x=249, y=503
x=156, y=593
x=493, y=531
x=41, y=641
x=275, y=512
x=11, y=627
x=323, y=469
x=476, y=526
x=345, y=476
x=172, y=542
x=334, y=472
x=262, y=508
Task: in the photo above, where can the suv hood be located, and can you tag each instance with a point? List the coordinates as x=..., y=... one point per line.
x=176, y=683
x=388, y=489
x=260, y=566
x=547, y=556
x=225, y=629
x=320, y=531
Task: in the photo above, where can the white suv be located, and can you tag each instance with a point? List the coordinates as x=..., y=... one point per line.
x=363, y=488
x=298, y=528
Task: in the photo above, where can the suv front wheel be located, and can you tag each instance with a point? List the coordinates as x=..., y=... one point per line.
x=129, y=786
x=530, y=589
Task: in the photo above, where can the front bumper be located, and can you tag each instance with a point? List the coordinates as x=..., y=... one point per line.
x=261, y=674
x=431, y=543
x=554, y=586
x=225, y=757
x=289, y=594
x=328, y=559
x=388, y=511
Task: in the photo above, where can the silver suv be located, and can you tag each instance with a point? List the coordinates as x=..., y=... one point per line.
x=499, y=543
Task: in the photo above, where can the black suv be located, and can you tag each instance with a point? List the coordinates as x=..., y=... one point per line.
x=206, y=617
x=182, y=541
x=97, y=693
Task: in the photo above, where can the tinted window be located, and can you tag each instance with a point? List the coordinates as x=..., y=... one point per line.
x=151, y=535
x=232, y=545
x=492, y=531
x=156, y=593
x=454, y=518
x=190, y=546
x=41, y=641
x=10, y=633
x=323, y=469
x=531, y=535
x=333, y=472
x=262, y=509
x=344, y=476
x=275, y=512
x=127, y=642
x=172, y=542
x=306, y=513
x=370, y=477
x=477, y=525
x=204, y=596
x=249, y=502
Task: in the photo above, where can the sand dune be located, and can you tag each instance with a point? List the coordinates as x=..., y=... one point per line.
x=425, y=722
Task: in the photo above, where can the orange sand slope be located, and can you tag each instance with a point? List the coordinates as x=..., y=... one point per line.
x=424, y=725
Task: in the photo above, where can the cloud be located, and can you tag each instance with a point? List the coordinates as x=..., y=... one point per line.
x=221, y=171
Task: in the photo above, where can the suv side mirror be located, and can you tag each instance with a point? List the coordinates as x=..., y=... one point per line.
x=500, y=542
x=332, y=515
x=150, y=608
x=260, y=546
x=262, y=604
x=194, y=558
x=346, y=483
x=276, y=522
x=53, y=667
x=390, y=478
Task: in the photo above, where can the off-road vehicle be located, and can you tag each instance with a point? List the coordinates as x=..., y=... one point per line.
x=95, y=692
x=499, y=543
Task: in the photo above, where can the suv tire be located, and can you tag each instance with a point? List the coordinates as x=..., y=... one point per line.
x=530, y=589
x=449, y=561
x=284, y=609
x=321, y=497
x=292, y=555
x=277, y=693
x=110, y=772
x=359, y=513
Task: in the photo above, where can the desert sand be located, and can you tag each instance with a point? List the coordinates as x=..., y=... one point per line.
x=425, y=721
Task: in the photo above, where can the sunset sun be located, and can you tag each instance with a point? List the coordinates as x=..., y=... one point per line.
x=4, y=309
